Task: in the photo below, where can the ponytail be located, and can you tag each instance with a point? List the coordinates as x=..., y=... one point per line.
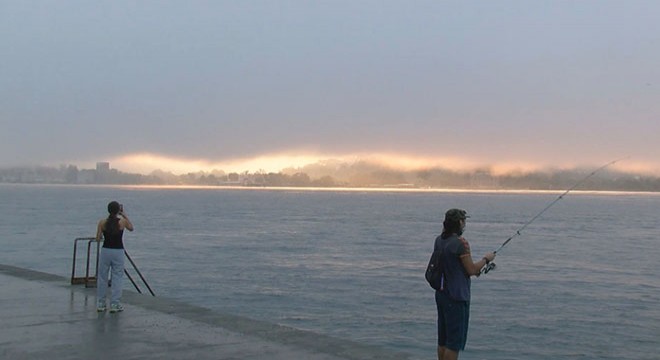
x=112, y=224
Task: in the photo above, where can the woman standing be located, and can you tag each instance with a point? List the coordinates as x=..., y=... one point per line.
x=111, y=258
x=453, y=301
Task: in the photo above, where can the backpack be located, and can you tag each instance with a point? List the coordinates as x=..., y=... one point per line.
x=434, y=275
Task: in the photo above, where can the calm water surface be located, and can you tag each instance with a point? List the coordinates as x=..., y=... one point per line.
x=580, y=283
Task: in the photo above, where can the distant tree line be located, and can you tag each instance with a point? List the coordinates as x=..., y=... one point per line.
x=359, y=174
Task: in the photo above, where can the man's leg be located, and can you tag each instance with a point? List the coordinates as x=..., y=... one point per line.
x=448, y=354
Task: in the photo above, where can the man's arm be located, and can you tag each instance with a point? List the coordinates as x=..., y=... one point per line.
x=474, y=268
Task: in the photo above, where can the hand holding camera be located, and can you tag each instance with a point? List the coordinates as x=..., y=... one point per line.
x=121, y=211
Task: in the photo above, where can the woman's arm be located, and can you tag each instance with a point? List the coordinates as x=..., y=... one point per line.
x=99, y=229
x=125, y=222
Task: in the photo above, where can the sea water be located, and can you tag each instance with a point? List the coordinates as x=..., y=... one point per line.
x=581, y=282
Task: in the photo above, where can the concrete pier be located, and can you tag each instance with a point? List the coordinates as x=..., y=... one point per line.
x=44, y=317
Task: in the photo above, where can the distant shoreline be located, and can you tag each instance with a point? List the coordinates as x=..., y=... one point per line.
x=355, y=177
x=340, y=189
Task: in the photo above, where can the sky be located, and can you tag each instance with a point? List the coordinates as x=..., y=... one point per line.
x=246, y=85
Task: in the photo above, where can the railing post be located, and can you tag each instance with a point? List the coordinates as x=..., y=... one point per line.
x=139, y=273
x=85, y=279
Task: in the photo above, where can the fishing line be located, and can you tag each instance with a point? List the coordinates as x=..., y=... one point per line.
x=492, y=266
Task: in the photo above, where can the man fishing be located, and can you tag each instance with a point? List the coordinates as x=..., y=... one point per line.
x=453, y=299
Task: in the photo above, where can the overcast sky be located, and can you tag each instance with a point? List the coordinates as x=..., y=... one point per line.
x=145, y=84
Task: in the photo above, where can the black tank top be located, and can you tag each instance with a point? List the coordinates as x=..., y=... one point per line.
x=113, y=237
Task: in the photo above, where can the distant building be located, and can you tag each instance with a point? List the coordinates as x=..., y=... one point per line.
x=102, y=166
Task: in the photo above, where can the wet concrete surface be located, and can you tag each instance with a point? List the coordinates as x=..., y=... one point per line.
x=44, y=317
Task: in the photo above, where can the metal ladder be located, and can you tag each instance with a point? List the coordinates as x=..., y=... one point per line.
x=90, y=280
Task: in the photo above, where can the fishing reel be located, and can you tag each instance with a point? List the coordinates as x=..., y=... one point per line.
x=486, y=269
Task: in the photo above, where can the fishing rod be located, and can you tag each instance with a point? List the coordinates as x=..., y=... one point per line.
x=491, y=266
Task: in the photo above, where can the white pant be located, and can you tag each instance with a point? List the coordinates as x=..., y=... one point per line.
x=110, y=260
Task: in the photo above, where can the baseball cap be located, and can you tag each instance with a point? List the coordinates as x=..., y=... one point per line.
x=456, y=214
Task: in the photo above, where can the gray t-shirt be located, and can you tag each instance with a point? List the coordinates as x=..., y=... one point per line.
x=457, y=281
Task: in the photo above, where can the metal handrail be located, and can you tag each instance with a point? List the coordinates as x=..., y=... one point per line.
x=139, y=273
x=88, y=280
x=91, y=281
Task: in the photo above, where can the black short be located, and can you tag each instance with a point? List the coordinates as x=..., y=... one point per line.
x=453, y=320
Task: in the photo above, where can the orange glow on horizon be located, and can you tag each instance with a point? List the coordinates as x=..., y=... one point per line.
x=145, y=163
